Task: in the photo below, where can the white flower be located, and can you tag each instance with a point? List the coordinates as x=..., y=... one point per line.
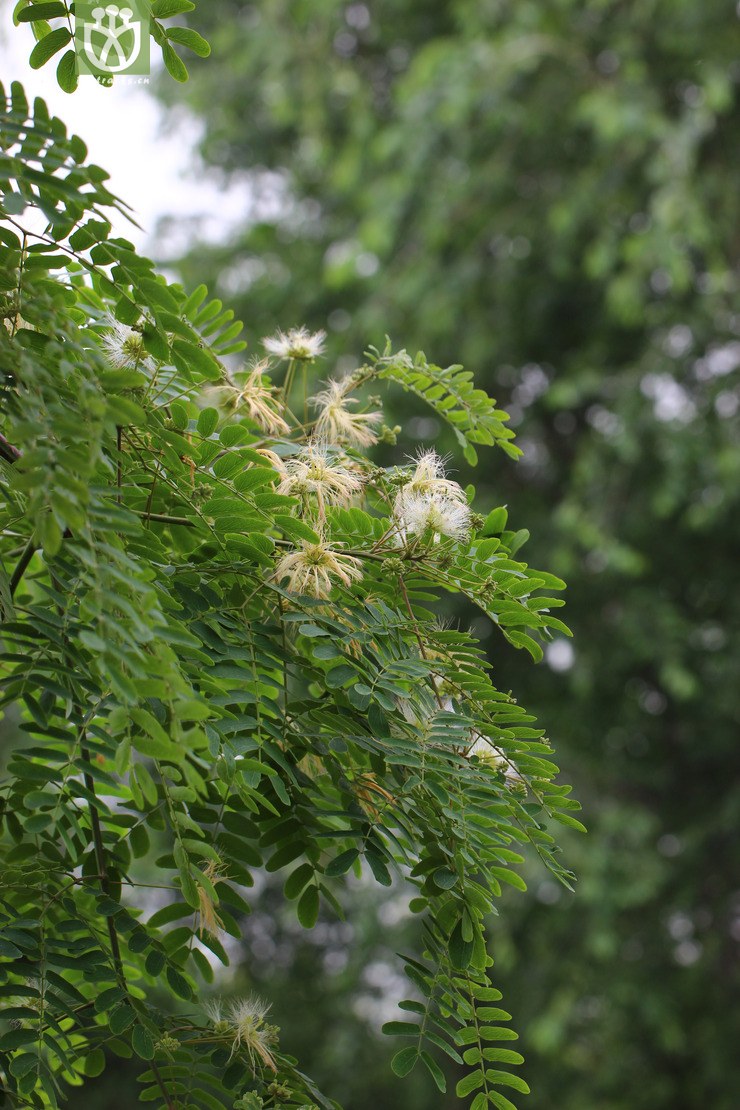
x=421, y=512
x=298, y=343
x=487, y=752
x=258, y=400
x=273, y=459
x=337, y=423
x=429, y=477
x=431, y=502
x=124, y=346
x=314, y=473
x=214, y=1009
x=314, y=568
x=247, y=1018
x=244, y=1022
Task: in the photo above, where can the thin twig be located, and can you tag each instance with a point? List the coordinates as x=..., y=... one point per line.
x=28, y=554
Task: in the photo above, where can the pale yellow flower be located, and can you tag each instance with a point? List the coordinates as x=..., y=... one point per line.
x=315, y=568
x=124, y=346
x=259, y=402
x=244, y=1022
x=275, y=461
x=337, y=423
x=298, y=343
x=247, y=1018
x=208, y=919
x=429, y=478
x=442, y=515
x=316, y=473
x=430, y=501
x=486, y=751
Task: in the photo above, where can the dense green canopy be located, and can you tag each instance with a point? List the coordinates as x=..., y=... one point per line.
x=548, y=192
x=221, y=659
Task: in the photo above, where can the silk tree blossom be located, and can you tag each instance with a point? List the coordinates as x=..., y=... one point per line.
x=244, y=1022
x=298, y=343
x=258, y=400
x=421, y=513
x=124, y=346
x=431, y=502
x=429, y=478
x=316, y=473
x=275, y=461
x=337, y=423
x=486, y=751
x=315, y=568
x=208, y=918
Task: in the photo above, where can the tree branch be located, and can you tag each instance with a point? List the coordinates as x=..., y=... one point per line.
x=20, y=570
x=8, y=451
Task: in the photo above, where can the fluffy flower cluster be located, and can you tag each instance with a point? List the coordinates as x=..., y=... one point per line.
x=315, y=568
x=487, y=752
x=208, y=919
x=336, y=423
x=124, y=346
x=431, y=502
x=243, y=1021
x=298, y=343
x=253, y=396
x=318, y=478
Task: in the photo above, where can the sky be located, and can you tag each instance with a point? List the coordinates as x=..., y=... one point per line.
x=156, y=174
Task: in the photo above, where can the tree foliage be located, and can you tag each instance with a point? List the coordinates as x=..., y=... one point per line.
x=547, y=193
x=53, y=25
x=219, y=635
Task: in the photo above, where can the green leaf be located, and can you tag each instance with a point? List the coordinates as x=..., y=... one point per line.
x=190, y=358
x=378, y=867
x=67, y=77
x=434, y=1070
x=461, y=950
x=405, y=1061
x=501, y=1101
x=337, y=676
x=207, y=422
x=121, y=1018
x=164, y=9
x=308, y=907
x=297, y=880
x=469, y=1083
x=174, y=63
x=445, y=878
x=50, y=45
x=49, y=534
x=179, y=984
x=506, y=1079
x=400, y=1029
x=142, y=1042
x=495, y=522
x=41, y=11
x=94, y=1063
x=23, y=1064
x=190, y=39
x=342, y=863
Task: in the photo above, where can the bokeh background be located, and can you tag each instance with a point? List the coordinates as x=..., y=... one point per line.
x=546, y=191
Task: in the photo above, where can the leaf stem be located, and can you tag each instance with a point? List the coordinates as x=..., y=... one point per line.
x=28, y=554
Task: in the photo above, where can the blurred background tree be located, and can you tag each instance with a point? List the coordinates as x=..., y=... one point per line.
x=547, y=190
